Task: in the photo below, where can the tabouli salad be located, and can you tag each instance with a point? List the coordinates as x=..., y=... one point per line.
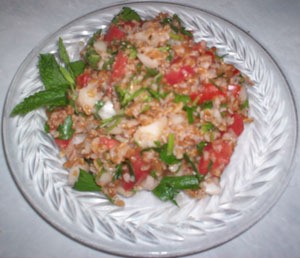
x=146, y=108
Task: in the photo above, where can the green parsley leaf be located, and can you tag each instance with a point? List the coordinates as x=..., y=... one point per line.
x=210, y=165
x=169, y=186
x=130, y=168
x=190, y=113
x=166, y=192
x=156, y=94
x=207, y=105
x=245, y=104
x=153, y=174
x=118, y=172
x=126, y=97
x=170, y=144
x=165, y=151
x=191, y=163
x=186, y=32
x=132, y=52
x=92, y=58
x=207, y=127
x=166, y=21
x=46, y=127
x=51, y=97
x=151, y=72
x=175, y=36
x=221, y=57
x=108, y=64
x=185, y=99
x=94, y=37
x=201, y=146
x=175, y=24
x=169, y=159
x=109, y=122
x=86, y=182
x=99, y=104
x=127, y=14
x=65, y=130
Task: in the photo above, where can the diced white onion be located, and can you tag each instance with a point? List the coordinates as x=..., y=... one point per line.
x=100, y=46
x=105, y=178
x=212, y=187
x=146, y=135
x=243, y=94
x=88, y=97
x=78, y=138
x=107, y=111
x=147, y=61
x=149, y=183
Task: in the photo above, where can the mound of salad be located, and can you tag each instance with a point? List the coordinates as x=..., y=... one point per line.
x=146, y=108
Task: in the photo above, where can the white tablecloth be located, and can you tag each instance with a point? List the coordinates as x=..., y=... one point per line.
x=23, y=24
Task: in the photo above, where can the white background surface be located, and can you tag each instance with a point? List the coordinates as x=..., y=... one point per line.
x=23, y=24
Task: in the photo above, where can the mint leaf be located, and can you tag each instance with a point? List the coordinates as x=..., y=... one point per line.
x=86, y=182
x=50, y=72
x=52, y=97
x=77, y=67
x=67, y=76
x=65, y=130
x=62, y=51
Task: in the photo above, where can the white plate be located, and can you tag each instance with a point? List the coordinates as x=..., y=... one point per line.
x=257, y=175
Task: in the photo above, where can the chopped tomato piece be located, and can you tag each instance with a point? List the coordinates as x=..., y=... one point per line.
x=215, y=157
x=210, y=53
x=176, y=59
x=234, y=89
x=200, y=46
x=119, y=67
x=109, y=143
x=204, y=163
x=139, y=173
x=82, y=80
x=174, y=77
x=238, y=124
x=209, y=92
x=222, y=152
x=127, y=185
x=138, y=164
x=131, y=24
x=62, y=144
x=235, y=71
x=187, y=70
x=114, y=33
